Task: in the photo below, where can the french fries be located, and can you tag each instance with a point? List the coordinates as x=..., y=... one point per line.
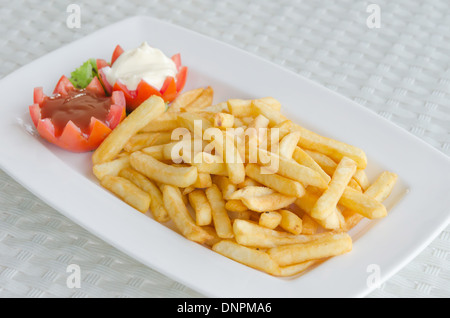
x=244, y=180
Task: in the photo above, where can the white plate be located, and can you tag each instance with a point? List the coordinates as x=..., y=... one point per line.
x=418, y=208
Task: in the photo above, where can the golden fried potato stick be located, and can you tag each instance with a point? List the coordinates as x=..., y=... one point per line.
x=111, y=168
x=127, y=191
x=275, y=181
x=327, y=246
x=248, y=256
x=269, y=219
x=201, y=206
x=163, y=173
x=291, y=222
x=184, y=99
x=268, y=202
x=251, y=234
x=138, y=119
x=329, y=199
x=220, y=217
x=179, y=214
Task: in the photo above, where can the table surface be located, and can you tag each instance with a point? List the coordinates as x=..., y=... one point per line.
x=400, y=70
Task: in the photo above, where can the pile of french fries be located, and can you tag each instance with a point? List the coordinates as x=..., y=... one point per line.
x=281, y=202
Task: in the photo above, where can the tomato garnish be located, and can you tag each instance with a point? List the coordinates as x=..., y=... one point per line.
x=72, y=119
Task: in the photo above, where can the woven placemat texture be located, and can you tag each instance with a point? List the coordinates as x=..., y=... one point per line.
x=401, y=71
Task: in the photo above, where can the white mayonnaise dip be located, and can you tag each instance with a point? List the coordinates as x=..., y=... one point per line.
x=143, y=62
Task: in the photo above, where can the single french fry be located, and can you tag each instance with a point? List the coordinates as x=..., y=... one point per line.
x=209, y=163
x=143, y=140
x=204, y=180
x=291, y=270
x=361, y=177
x=274, y=181
x=289, y=168
x=382, y=187
x=288, y=144
x=303, y=158
x=250, y=191
x=327, y=246
x=111, y=168
x=326, y=163
x=205, y=99
x=221, y=107
x=251, y=234
x=179, y=214
x=127, y=192
x=225, y=185
x=201, y=206
x=184, y=99
x=362, y=203
x=270, y=219
x=309, y=225
x=248, y=256
x=138, y=119
x=329, y=199
x=168, y=174
x=156, y=204
x=269, y=202
x=220, y=217
x=235, y=206
x=156, y=152
x=167, y=121
x=330, y=147
x=290, y=222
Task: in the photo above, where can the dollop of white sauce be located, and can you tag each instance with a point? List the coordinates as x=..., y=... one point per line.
x=143, y=62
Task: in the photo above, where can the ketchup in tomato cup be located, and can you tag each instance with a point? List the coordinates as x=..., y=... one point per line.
x=77, y=119
x=142, y=72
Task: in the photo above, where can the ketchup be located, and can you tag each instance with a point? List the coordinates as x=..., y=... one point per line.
x=78, y=106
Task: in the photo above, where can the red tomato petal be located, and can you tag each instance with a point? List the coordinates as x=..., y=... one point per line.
x=38, y=95
x=118, y=98
x=143, y=92
x=63, y=86
x=46, y=130
x=129, y=95
x=96, y=87
x=177, y=60
x=115, y=116
x=101, y=63
x=117, y=52
x=108, y=87
x=99, y=131
x=169, y=90
x=181, y=78
x=35, y=114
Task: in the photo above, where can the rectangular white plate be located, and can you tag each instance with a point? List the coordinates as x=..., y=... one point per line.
x=419, y=207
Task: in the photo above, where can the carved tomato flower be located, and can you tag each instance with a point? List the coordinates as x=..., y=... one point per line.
x=75, y=119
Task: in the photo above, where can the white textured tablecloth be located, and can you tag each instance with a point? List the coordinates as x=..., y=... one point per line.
x=400, y=71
